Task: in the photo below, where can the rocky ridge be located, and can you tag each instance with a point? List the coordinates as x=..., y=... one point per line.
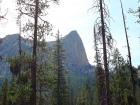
x=76, y=58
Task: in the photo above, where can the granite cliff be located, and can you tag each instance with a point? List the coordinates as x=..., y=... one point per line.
x=76, y=58
x=75, y=53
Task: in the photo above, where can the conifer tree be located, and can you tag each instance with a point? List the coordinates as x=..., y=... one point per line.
x=120, y=85
x=99, y=72
x=22, y=82
x=36, y=27
x=85, y=96
x=45, y=73
x=105, y=39
x=59, y=58
x=45, y=76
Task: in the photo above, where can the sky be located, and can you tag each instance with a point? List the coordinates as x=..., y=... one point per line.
x=74, y=15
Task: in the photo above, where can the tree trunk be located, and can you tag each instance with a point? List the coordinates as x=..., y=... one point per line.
x=129, y=56
x=33, y=66
x=108, y=100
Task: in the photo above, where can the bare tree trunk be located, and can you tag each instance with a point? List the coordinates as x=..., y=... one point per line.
x=33, y=66
x=108, y=100
x=129, y=56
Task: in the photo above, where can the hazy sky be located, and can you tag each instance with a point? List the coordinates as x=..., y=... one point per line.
x=74, y=15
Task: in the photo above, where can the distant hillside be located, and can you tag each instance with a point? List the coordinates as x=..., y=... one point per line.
x=76, y=58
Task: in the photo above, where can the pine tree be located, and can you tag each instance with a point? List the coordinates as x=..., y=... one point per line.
x=120, y=84
x=106, y=40
x=85, y=96
x=45, y=73
x=45, y=76
x=20, y=85
x=59, y=58
x=99, y=72
x=36, y=27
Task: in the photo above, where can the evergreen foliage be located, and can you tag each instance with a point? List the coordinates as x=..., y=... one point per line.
x=36, y=27
x=61, y=86
x=85, y=96
x=132, y=71
x=40, y=78
x=120, y=84
x=99, y=72
x=45, y=73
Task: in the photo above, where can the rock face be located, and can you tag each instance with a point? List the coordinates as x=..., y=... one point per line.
x=75, y=53
x=76, y=58
x=8, y=47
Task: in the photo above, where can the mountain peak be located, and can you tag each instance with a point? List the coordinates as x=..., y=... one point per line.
x=73, y=34
x=75, y=52
x=10, y=39
x=11, y=36
x=76, y=58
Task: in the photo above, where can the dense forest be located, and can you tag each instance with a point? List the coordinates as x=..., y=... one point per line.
x=39, y=75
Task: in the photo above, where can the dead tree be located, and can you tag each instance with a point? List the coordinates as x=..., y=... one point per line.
x=99, y=72
x=106, y=41
x=130, y=62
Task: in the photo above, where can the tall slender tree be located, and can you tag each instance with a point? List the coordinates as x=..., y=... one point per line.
x=45, y=73
x=132, y=71
x=59, y=58
x=36, y=27
x=99, y=72
x=120, y=85
x=106, y=41
x=33, y=65
x=105, y=55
